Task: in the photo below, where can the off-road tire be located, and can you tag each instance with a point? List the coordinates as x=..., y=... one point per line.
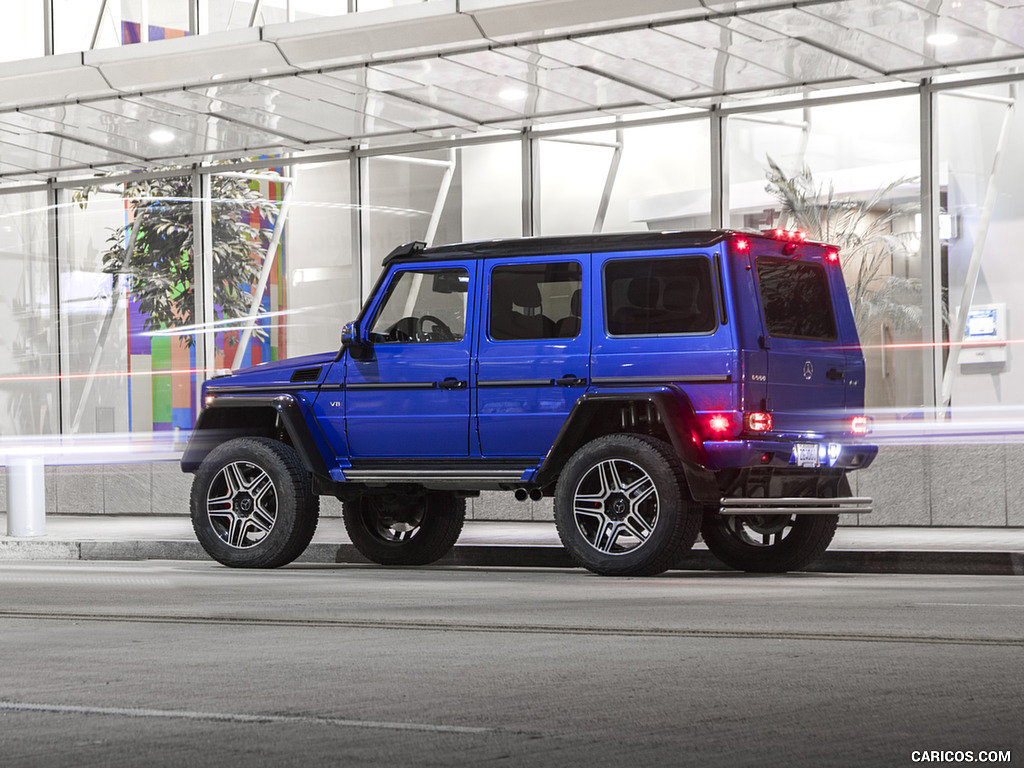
x=733, y=540
x=404, y=530
x=252, y=504
x=621, y=506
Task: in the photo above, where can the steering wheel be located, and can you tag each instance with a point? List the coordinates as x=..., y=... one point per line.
x=440, y=331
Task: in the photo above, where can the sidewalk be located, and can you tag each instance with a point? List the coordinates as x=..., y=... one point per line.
x=983, y=551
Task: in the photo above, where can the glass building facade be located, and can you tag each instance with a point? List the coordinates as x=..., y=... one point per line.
x=92, y=345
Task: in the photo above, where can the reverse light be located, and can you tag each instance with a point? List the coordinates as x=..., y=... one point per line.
x=860, y=425
x=757, y=421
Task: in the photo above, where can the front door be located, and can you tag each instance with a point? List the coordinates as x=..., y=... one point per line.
x=410, y=396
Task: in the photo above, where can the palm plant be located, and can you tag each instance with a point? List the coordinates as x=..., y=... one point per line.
x=866, y=232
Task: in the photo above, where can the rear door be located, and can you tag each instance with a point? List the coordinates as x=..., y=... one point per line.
x=807, y=362
x=533, y=353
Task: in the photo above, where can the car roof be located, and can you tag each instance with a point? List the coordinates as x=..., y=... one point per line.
x=549, y=246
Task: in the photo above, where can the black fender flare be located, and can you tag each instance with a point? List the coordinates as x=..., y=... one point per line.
x=230, y=416
x=675, y=413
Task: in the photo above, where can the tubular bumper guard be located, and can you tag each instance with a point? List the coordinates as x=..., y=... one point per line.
x=795, y=506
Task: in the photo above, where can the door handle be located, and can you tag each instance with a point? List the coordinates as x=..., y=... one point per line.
x=834, y=374
x=571, y=380
x=451, y=383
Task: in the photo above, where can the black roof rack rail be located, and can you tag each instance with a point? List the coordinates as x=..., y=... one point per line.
x=405, y=251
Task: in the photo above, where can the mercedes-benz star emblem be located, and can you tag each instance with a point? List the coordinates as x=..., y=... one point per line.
x=808, y=370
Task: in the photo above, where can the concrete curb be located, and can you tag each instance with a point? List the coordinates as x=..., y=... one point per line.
x=527, y=556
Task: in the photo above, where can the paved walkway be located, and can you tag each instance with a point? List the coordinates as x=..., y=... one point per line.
x=855, y=549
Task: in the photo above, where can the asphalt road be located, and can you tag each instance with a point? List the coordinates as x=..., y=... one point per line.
x=191, y=664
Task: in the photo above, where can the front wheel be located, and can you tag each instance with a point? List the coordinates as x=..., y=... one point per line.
x=252, y=504
x=768, y=543
x=404, y=530
x=621, y=508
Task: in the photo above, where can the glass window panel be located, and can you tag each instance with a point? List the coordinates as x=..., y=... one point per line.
x=795, y=299
x=22, y=35
x=847, y=174
x=406, y=198
x=236, y=14
x=319, y=267
x=980, y=227
x=100, y=325
x=650, y=297
x=536, y=301
x=653, y=177
x=427, y=306
x=28, y=365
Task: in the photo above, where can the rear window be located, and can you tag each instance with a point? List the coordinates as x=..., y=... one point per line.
x=796, y=300
x=663, y=296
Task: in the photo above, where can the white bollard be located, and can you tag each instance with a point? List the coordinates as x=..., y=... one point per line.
x=26, y=496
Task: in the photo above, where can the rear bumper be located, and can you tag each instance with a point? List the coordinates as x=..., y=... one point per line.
x=832, y=454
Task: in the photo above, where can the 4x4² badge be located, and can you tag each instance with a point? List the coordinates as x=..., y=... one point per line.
x=808, y=370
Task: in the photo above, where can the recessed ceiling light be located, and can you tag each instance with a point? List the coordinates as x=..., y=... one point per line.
x=941, y=38
x=161, y=136
x=512, y=94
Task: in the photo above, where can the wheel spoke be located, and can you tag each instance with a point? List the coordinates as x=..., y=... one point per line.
x=637, y=526
x=259, y=487
x=606, y=536
x=236, y=531
x=234, y=478
x=609, y=475
x=639, y=491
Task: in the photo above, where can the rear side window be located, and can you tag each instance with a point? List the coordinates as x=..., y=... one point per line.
x=663, y=296
x=796, y=300
x=536, y=301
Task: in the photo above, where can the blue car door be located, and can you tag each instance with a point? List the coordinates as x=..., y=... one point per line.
x=533, y=352
x=409, y=396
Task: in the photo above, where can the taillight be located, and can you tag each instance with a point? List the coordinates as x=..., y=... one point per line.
x=832, y=255
x=860, y=425
x=723, y=426
x=741, y=244
x=719, y=425
x=757, y=421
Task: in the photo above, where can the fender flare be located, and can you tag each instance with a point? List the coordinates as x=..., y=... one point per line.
x=231, y=416
x=674, y=411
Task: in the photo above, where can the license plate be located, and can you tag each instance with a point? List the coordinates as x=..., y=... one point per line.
x=806, y=454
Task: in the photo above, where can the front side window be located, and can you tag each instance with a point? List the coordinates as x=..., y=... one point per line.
x=662, y=296
x=536, y=301
x=423, y=306
x=795, y=298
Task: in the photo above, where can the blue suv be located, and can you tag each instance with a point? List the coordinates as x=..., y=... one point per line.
x=659, y=386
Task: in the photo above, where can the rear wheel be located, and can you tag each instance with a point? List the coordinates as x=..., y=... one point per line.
x=621, y=509
x=252, y=504
x=404, y=530
x=768, y=543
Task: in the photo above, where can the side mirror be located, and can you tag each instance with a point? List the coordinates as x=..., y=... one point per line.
x=353, y=342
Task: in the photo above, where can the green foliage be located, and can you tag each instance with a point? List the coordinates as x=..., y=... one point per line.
x=160, y=267
x=865, y=232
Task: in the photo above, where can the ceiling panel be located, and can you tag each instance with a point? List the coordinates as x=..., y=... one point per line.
x=734, y=50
